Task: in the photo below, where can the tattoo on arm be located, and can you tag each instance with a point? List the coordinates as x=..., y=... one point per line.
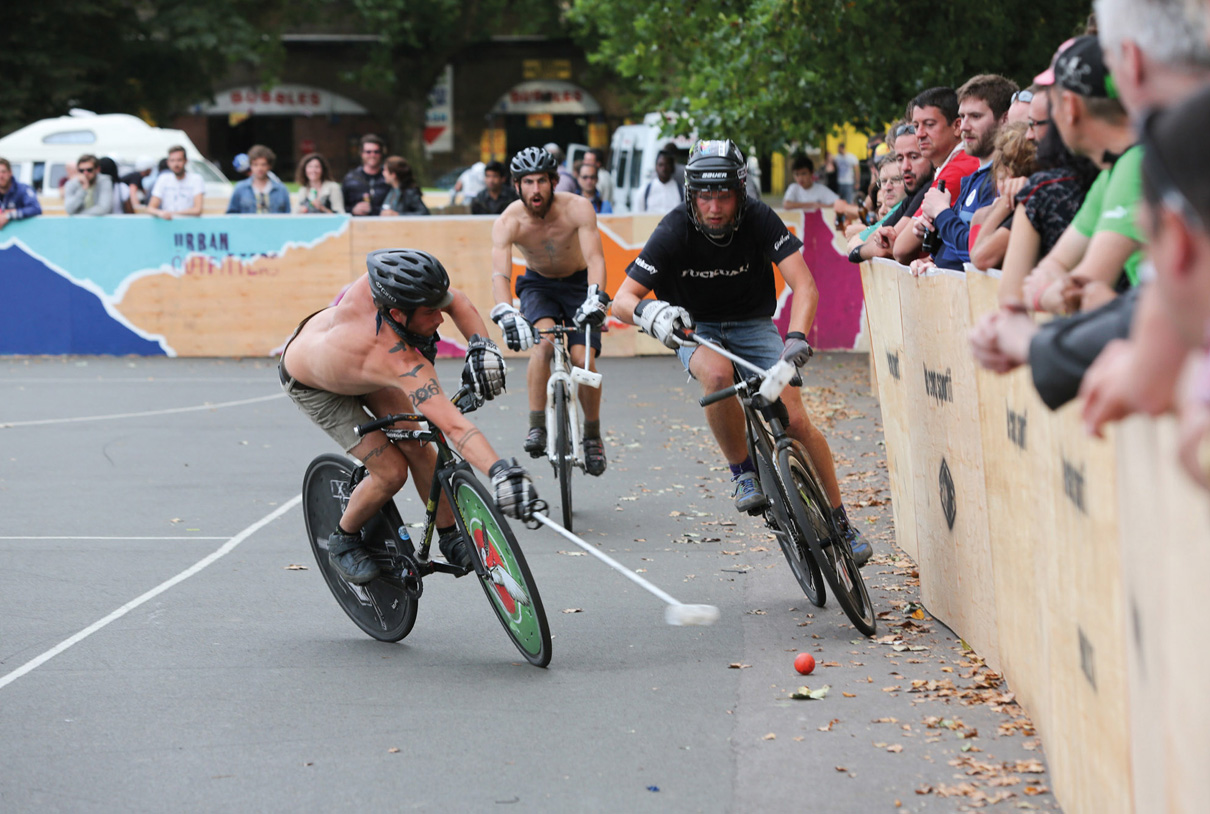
x=425, y=392
x=374, y=453
x=412, y=372
x=460, y=443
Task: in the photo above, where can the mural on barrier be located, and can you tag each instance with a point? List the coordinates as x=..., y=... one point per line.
x=237, y=286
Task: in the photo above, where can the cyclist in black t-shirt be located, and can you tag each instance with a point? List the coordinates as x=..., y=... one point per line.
x=713, y=276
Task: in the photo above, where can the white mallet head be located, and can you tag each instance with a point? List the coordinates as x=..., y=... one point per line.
x=681, y=615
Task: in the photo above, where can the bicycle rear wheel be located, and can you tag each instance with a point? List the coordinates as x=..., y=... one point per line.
x=789, y=535
x=502, y=569
x=829, y=550
x=563, y=455
x=384, y=610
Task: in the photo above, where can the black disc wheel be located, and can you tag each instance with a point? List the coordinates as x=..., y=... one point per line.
x=385, y=608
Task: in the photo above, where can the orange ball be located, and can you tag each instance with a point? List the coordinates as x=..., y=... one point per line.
x=804, y=663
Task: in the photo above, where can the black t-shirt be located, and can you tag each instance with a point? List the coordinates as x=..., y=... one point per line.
x=716, y=283
x=485, y=204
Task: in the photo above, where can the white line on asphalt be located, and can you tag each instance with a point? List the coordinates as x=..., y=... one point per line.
x=112, y=538
x=240, y=403
x=225, y=549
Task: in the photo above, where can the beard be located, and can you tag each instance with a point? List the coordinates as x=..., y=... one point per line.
x=541, y=209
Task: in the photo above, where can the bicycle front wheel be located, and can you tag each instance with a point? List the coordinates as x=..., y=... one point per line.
x=790, y=535
x=502, y=569
x=563, y=454
x=829, y=550
x=383, y=610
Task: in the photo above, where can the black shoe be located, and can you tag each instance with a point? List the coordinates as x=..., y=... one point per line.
x=535, y=442
x=453, y=548
x=594, y=456
x=350, y=560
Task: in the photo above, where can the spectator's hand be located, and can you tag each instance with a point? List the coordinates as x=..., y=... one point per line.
x=1010, y=188
x=884, y=238
x=1035, y=286
x=519, y=334
x=1113, y=389
x=663, y=321
x=484, y=368
x=1192, y=430
x=920, y=226
x=1095, y=294
x=986, y=346
x=361, y=208
x=4, y=218
x=935, y=202
x=162, y=215
x=513, y=488
x=922, y=266
x=592, y=311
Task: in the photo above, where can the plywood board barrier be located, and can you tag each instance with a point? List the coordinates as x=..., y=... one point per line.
x=946, y=448
x=889, y=358
x=1094, y=551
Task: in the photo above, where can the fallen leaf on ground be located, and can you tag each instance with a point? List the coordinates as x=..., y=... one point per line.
x=736, y=665
x=573, y=610
x=769, y=737
x=296, y=567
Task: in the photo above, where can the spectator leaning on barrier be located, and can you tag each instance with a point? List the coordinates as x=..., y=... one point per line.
x=177, y=192
x=136, y=178
x=1022, y=103
x=917, y=172
x=982, y=106
x=1104, y=239
x=318, y=192
x=122, y=205
x=17, y=200
x=90, y=192
x=405, y=197
x=1013, y=162
x=497, y=195
x=258, y=194
x=364, y=189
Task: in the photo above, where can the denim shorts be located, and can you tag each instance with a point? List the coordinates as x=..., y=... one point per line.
x=556, y=298
x=755, y=340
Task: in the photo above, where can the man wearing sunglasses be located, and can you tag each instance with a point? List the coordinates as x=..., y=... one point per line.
x=91, y=191
x=364, y=189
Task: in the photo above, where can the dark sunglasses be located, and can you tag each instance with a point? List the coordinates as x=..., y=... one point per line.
x=1026, y=96
x=903, y=130
x=1036, y=123
x=588, y=177
x=1161, y=181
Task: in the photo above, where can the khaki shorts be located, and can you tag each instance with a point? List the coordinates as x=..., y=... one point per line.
x=335, y=414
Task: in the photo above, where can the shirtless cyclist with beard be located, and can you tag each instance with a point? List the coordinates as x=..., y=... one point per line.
x=564, y=283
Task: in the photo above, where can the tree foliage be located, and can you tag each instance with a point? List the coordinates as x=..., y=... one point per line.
x=769, y=73
x=149, y=56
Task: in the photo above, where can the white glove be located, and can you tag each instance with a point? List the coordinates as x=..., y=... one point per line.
x=484, y=368
x=594, y=308
x=519, y=334
x=662, y=320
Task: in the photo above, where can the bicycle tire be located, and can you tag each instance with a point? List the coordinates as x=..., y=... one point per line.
x=830, y=552
x=383, y=610
x=791, y=535
x=502, y=568
x=563, y=457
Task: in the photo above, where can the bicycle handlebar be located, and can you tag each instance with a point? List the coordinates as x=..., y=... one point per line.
x=772, y=381
x=465, y=400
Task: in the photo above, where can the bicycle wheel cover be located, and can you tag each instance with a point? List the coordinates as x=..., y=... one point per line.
x=380, y=609
x=835, y=561
x=563, y=465
x=502, y=569
x=790, y=536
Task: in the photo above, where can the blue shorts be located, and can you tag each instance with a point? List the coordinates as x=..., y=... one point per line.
x=556, y=298
x=754, y=340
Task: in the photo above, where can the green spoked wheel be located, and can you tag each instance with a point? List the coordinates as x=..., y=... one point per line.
x=502, y=569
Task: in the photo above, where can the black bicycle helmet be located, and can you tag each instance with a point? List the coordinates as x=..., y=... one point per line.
x=407, y=279
x=716, y=165
x=532, y=160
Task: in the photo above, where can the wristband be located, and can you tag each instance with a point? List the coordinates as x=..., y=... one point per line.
x=796, y=335
x=855, y=254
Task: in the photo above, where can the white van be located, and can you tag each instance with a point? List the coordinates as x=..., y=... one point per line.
x=632, y=152
x=39, y=152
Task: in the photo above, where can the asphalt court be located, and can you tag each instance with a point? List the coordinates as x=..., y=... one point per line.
x=242, y=686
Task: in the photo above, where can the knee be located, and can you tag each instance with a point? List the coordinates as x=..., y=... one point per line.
x=541, y=354
x=715, y=377
x=390, y=476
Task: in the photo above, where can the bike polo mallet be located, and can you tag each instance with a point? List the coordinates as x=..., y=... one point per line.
x=677, y=613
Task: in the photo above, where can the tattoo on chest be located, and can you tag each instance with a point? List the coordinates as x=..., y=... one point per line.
x=552, y=251
x=413, y=372
x=425, y=392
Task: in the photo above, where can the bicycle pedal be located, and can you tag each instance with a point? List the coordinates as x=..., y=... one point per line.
x=450, y=568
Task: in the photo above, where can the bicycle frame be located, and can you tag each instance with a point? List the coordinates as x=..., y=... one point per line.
x=563, y=372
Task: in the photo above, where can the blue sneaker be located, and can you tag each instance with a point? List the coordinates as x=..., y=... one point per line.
x=859, y=545
x=748, y=497
x=350, y=560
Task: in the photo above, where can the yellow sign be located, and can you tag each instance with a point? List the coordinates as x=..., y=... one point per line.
x=546, y=68
x=539, y=121
x=493, y=145
x=598, y=134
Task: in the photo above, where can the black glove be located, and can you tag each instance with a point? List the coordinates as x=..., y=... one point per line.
x=797, y=350
x=514, y=490
x=593, y=309
x=484, y=368
x=518, y=333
